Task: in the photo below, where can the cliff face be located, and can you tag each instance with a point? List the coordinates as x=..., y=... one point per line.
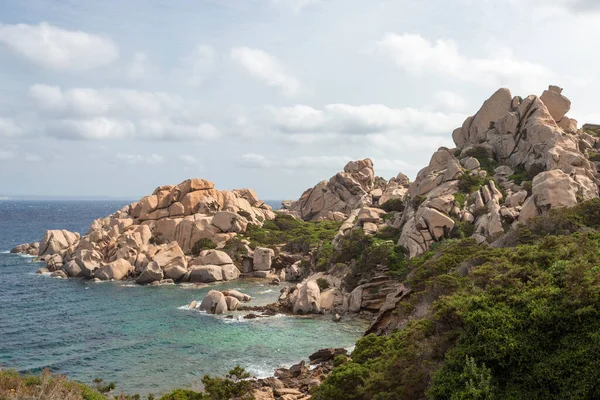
x=515, y=159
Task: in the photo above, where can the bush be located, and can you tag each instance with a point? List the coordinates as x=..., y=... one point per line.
x=236, y=249
x=284, y=229
x=393, y=205
x=470, y=183
x=158, y=240
x=323, y=284
x=203, y=244
x=502, y=323
x=388, y=233
x=481, y=154
x=461, y=199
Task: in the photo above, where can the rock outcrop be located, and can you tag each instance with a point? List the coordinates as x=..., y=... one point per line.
x=152, y=239
x=515, y=159
x=336, y=198
x=216, y=302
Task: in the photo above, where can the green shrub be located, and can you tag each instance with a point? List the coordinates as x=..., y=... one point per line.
x=481, y=154
x=158, y=240
x=503, y=323
x=323, y=284
x=470, y=183
x=236, y=249
x=301, y=236
x=388, y=233
x=462, y=230
x=461, y=199
x=203, y=244
x=393, y=205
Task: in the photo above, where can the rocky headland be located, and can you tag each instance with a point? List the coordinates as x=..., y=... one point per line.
x=345, y=247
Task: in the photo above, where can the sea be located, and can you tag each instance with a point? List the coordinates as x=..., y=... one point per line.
x=142, y=338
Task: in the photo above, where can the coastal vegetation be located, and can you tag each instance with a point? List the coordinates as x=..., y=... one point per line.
x=297, y=235
x=516, y=320
x=49, y=386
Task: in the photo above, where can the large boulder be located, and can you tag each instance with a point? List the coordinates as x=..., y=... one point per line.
x=230, y=272
x=212, y=257
x=73, y=270
x=307, y=299
x=238, y=295
x=557, y=104
x=232, y=303
x=172, y=261
x=88, y=261
x=57, y=241
x=263, y=258
x=116, y=270
x=151, y=273
x=214, y=303
x=206, y=274
x=228, y=221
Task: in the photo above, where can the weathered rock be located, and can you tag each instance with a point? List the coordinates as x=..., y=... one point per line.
x=232, y=303
x=57, y=241
x=238, y=295
x=116, y=270
x=557, y=104
x=214, y=303
x=41, y=271
x=73, y=270
x=172, y=261
x=230, y=272
x=229, y=222
x=263, y=259
x=212, y=257
x=341, y=194
x=152, y=272
x=206, y=274
x=308, y=298
x=59, y=274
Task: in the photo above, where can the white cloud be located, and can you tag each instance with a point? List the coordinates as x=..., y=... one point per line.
x=166, y=128
x=152, y=159
x=361, y=120
x=59, y=49
x=95, y=102
x=418, y=56
x=10, y=128
x=99, y=128
x=266, y=68
x=450, y=101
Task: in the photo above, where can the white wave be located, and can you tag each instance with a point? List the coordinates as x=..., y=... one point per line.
x=5, y=252
x=266, y=291
x=259, y=371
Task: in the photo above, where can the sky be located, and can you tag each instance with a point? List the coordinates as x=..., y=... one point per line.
x=113, y=98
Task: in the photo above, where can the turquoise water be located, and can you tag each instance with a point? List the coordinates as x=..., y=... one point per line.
x=142, y=338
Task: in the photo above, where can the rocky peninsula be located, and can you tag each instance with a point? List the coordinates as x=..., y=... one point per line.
x=358, y=244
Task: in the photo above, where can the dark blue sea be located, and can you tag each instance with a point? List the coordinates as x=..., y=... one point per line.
x=142, y=338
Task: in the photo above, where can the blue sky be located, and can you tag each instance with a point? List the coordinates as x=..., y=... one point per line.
x=113, y=98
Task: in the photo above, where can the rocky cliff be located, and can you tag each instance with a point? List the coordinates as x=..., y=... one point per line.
x=168, y=235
